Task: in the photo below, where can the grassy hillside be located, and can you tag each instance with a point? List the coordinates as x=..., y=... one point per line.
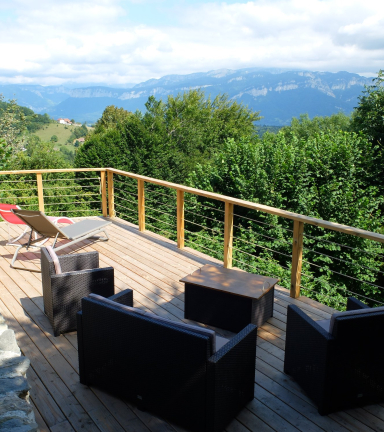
x=62, y=132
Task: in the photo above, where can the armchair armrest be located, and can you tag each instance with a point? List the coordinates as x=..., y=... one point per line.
x=81, y=261
x=124, y=297
x=67, y=290
x=231, y=378
x=354, y=304
x=308, y=348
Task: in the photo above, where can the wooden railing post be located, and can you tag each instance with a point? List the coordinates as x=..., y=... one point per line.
x=228, y=234
x=297, y=255
x=40, y=191
x=141, y=201
x=180, y=219
x=103, y=188
x=111, y=195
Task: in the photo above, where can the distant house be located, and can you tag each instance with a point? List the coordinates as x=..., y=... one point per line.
x=64, y=121
x=81, y=140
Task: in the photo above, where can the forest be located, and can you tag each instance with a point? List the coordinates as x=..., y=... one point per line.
x=330, y=168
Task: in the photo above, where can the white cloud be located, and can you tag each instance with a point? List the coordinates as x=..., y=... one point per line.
x=50, y=42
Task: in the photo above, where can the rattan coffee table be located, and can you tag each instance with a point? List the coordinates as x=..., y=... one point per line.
x=227, y=298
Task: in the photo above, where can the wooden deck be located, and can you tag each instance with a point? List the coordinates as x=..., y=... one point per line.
x=152, y=267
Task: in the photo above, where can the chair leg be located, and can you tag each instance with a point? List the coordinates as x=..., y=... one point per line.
x=11, y=242
x=15, y=256
x=19, y=246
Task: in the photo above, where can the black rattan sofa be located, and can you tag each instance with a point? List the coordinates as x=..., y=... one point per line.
x=170, y=370
x=338, y=362
x=63, y=292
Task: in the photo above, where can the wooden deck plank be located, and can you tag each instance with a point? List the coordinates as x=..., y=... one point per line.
x=152, y=265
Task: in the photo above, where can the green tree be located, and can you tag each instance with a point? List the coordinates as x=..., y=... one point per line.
x=171, y=137
x=5, y=154
x=12, y=125
x=39, y=155
x=112, y=116
x=69, y=155
x=304, y=128
x=368, y=116
x=54, y=138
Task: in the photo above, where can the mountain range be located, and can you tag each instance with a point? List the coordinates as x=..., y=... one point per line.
x=279, y=95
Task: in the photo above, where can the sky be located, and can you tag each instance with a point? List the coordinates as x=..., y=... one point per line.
x=117, y=42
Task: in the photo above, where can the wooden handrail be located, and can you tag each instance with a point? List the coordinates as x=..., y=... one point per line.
x=334, y=226
x=298, y=219
x=52, y=171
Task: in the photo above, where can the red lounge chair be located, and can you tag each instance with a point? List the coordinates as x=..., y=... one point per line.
x=11, y=219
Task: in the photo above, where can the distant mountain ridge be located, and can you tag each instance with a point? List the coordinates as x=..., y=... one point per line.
x=278, y=94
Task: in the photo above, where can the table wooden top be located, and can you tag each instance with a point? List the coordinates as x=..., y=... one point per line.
x=232, y=281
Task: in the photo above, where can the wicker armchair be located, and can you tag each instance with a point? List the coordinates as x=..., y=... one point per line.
x=170, y=369
x=63, y=292
x=338, y=362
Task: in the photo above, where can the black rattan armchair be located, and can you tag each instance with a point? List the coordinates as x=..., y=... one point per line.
x=168, y=370
x=63, y=292
x=338, y=362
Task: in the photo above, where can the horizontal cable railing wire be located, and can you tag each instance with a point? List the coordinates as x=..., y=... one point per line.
x=64, y=196
x=157, y=210
x=70, y=179
x=258, y=257
x=35, y=197
x=356, y=268
x=214, y=230
x=204, y=237
x=161, y=203
x=342, y=303
x=215, y=254
x=129, y=218
x=54, y=213
x=342, y=245
x=161, y=230
x=163, y=222
x=260, y=222
x=18, y=181
x=125, y=193
x=262, y=247
x=72, y=202
x=127, y=208
x=205, y=217
x=13, y=190
x=250, y=266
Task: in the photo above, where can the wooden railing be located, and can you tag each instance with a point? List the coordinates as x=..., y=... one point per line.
x=299, y=221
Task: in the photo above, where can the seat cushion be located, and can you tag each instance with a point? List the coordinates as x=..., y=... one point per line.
x=178, y=324
x=84, y=227
x=220, y=342
x=325, y=323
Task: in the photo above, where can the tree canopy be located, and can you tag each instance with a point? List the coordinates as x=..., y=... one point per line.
x=170, y=138
x=368, y=116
